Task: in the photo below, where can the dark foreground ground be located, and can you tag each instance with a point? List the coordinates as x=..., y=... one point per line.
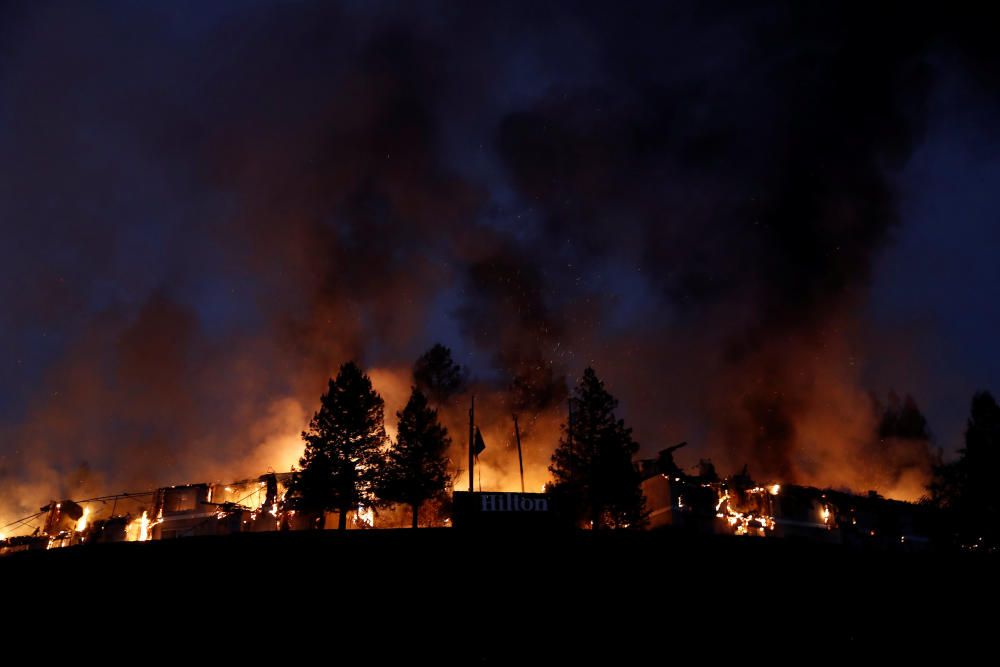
x=466, y=598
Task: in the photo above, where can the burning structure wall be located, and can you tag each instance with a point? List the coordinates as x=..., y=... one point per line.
x=737, y=506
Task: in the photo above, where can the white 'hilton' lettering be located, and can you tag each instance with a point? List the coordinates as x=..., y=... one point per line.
x=512, y=502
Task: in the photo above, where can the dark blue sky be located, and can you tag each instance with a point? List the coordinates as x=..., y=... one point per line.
x=746, y=217
x=937, y=283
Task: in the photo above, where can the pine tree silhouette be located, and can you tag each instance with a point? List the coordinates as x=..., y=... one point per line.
x=437, y=375
x=416, y=466
x=343, y=455
x=592, y=466
x=966, y=488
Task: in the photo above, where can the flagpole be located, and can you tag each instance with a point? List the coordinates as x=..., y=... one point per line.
x=520, y=460
x=472, y=409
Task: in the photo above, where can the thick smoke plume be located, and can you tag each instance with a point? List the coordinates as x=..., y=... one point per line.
x=206, y=210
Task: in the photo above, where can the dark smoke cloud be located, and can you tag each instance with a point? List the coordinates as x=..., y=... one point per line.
x=760, y=195
x=207, y=210
x=508, y=314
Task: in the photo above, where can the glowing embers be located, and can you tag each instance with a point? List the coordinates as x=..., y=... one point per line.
x=747, y=511
x=365, y=517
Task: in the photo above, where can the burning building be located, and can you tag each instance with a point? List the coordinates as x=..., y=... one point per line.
x=699, y=504
x=250, y=505
x=706, y=504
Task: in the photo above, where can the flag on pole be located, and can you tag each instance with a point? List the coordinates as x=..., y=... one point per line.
x=480, y=445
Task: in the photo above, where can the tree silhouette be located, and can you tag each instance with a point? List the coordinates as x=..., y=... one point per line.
x=416, y=466
x=437, y=375
x=966, y=489
x=343, y=456
x=900, y=451
x=592, y=466
x=901, y=419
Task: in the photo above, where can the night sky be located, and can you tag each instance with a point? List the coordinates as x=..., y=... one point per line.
x=747, y=217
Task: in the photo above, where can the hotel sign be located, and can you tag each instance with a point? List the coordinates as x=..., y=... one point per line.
x=503, y=510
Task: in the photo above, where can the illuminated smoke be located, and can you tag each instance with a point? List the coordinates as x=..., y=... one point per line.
x=204, y=216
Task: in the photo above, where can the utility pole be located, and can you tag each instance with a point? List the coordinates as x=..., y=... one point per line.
x=520, y=460
x=472, y=445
